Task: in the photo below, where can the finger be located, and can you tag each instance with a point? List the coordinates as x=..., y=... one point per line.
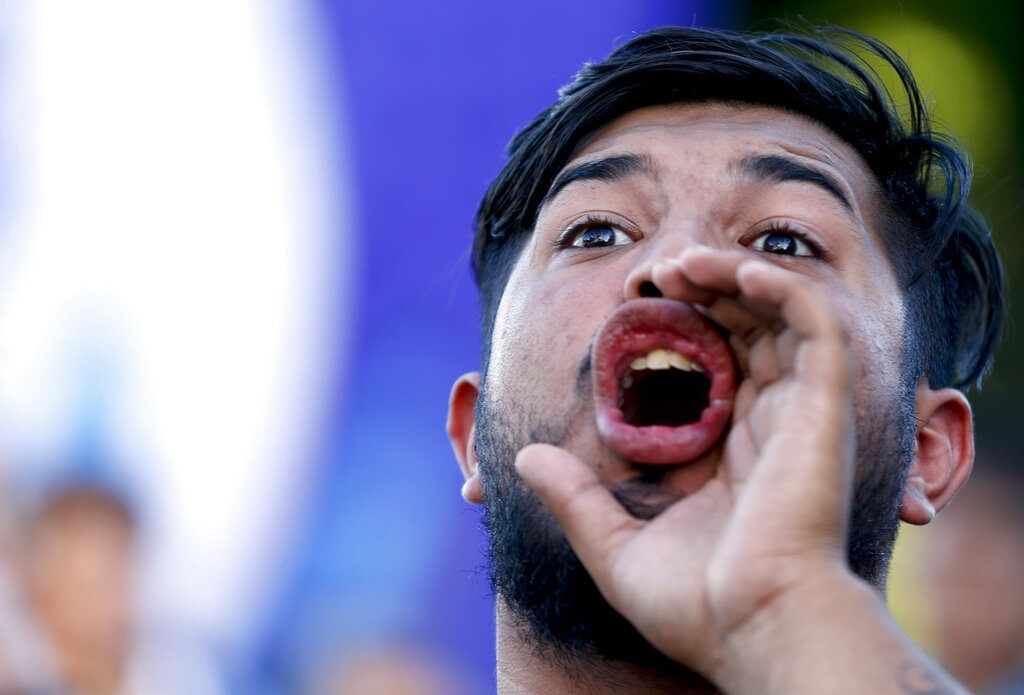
x=763, y=361
x=673, y=284
x=741, y=450
x=732, y=315
x=746, y=396
x=822, y=340
x=712, y=268
x=596, y=525
x=820, y=392
x=801, y=306
x=716, y=270
x=787, y=346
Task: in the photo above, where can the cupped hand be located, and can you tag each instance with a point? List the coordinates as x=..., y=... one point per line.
x=772, y=521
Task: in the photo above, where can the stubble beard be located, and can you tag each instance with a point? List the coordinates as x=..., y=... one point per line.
x=558, y=608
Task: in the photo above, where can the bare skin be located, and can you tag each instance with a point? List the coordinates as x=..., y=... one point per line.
x=756, y=555
x=743, y=578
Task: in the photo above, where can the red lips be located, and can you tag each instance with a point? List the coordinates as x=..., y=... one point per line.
x=635, y=329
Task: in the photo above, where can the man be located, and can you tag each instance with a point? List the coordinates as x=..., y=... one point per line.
x=729, y=303
x=78, y=561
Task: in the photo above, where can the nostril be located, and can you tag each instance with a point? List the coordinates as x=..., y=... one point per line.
x=649, y=289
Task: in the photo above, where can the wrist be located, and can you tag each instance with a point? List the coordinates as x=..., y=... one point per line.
x=783, y=641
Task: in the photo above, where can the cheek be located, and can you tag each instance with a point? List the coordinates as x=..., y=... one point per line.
x=876, y=329
x=543, y=330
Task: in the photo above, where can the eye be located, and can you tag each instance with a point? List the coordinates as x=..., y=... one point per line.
x=785, y=241
x=601, y=236
x=594, y=232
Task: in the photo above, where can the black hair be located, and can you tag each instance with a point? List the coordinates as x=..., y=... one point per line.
x=940, y=248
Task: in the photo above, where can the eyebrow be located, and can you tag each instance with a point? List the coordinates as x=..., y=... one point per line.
x=776, y=169
x=607, y=169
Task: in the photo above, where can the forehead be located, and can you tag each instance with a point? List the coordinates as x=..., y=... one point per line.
x=718, y=134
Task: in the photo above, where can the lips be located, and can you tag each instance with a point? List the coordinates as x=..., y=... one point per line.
x=664, y=382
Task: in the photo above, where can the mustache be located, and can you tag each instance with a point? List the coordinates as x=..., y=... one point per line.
x=584, y=371
x=583, y=376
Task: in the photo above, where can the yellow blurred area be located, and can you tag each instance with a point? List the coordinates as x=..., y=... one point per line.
x=968, y=93
x=958, y=590
x=908, y=595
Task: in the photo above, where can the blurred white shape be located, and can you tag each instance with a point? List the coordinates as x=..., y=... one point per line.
x=169, y=268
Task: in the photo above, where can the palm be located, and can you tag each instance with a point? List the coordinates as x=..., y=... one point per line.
x=701, y=553
x=777, y=502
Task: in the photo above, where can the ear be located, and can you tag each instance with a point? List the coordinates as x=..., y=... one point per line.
x=944, y=452
x=462, y=431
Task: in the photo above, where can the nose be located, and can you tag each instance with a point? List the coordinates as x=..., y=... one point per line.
x=647, y=288
x=640, y=282
x=658, y=273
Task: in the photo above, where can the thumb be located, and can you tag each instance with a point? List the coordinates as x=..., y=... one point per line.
x=595, y=524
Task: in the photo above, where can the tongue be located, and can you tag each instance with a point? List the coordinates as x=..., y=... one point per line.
x=636, y=328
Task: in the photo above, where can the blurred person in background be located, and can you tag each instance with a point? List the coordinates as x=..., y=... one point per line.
x=731, y=306
x=390, y=669
x=78, y=561
x=975, y=567
x=26, y=664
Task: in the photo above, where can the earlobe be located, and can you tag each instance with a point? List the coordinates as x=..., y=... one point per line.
x=943, y=455
x=462, y=430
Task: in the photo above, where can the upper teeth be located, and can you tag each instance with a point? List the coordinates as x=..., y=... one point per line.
x=663, y=359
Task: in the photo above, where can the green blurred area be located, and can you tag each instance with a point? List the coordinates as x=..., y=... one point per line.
x=969, y=61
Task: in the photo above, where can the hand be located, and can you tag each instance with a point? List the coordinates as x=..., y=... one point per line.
x=772, y=521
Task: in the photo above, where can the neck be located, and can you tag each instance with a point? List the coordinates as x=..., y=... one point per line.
x=525, y=669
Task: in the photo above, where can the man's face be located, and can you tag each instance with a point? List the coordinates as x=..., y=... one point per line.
x=777, y=185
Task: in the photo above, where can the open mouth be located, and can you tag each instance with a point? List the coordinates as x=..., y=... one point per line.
x=664, y=381
x=663, y=387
